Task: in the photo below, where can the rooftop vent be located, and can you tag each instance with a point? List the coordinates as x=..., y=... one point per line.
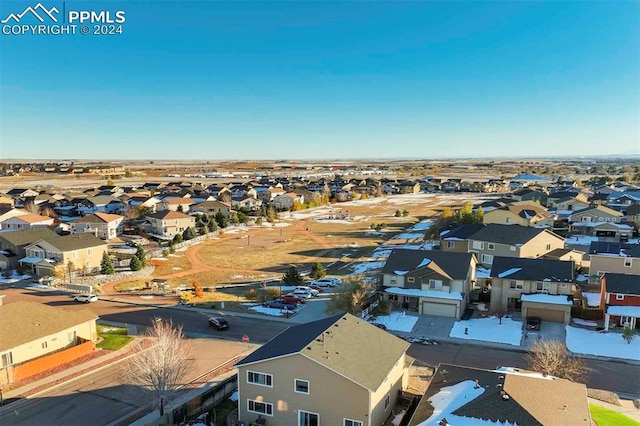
x=504, y=396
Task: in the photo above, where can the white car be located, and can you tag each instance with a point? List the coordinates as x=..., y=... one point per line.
x=302, y=293
x=85, y=298
x=329, y=282
x=309, y=290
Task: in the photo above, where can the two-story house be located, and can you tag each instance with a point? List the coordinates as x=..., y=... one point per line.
x=539, y=287
x=24, y=220
x=176, y=204
x=457, y=239
x=103, y=225
x=166, y=224
x=80, y=252
x=431, y=282
x=621, y=258
x=620, y=298
x=339, y=370
x=527, y=194
x=12, y=244
x=100, y=204
x=211, y=208
x=522, y=213
x=596, y=214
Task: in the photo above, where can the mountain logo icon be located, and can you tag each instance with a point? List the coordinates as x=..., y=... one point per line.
x=34, y=11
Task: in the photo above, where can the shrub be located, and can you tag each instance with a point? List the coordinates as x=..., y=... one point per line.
x=197, y=288
x=251, y=294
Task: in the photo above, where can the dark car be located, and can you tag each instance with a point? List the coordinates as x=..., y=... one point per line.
x=533, y=323
x=219, y=323
x=291, y=298
x=279, y=304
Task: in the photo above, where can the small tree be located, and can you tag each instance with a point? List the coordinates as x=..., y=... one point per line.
x=142, y=255
x=177, y=239
x=251, y=294
x=197, y=288
x=405, y=213
x=186, y=297
x=552, y=358
x=188, y=234
x=398, y=213
x=163, y=367
x=212, y=226
x=106, y=265
x=222, y=220
x=628, y=334
x=317, y=271
x=349, y=298
x=292, y=277
x=135, y=264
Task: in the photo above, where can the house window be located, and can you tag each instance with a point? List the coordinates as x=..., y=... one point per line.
x=90, y=252
x=512, y=248
x=349, y=422
x=478, y=245
x=542, y=287
x=44, y=345
x=260, y=379
x=308, y=419
x=6, y=359
x=548, y=246
x=451, y=244
x=71, y=336
x=627, y=262
x=619, y=296
x=516, y=285
x=491, y=246
x=259, y=407
x=507, y=220
x=393, y=297
x=301, y=386
x=75, y=254
x=387, y=402
x=487, y=259
x=411, y=279
x=435, y=285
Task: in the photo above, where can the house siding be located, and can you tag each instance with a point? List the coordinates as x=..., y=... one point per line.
x=501, y=291
x=603, y=263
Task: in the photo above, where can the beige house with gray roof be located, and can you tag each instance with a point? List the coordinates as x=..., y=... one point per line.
x=339, y=370
x=81, y=251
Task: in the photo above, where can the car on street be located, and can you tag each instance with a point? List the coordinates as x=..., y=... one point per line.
x=533, y=323
x=85, y=298
x=219, y=323
x=279, y=304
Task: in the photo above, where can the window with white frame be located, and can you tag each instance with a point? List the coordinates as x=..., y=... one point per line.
x=543, y=287
x=435, y=285
x=512, y=248
x=6, y=359
x=491, y=246
x=306, y=418
x=260, y=379
x=478, y=245
x=387, y=402
x=349, y=422
x=627, y=262
x=619, y=296
x=548, y=246
x=516, y=285
x=507, y=220
x=486, y=259
x=451, y=244
x=44, y=345
x=259, y=407
x=301, y=386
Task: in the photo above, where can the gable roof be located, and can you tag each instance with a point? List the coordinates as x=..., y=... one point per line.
x=602, y=209
x=35, y=321
x=532, y=269
x=509, y=234
x=168, y=214
x=212, y=204
x=31, y=218
x=622, y=283
x=98, y=218
x=451, y=264
x=533, y=399
x=74, y=241
x=346, y=344
x=462, y=232
x=618, y=249
x=27, y=236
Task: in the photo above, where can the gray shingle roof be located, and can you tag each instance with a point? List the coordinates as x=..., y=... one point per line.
x=27, y=236
x=622, y=283
x=532, y=269
x=508, y=234
x=620, y=249
x=462, y=232
x=456, y=265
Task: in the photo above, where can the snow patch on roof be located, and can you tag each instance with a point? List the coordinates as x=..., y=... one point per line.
x=546, y=298
x=425, y=293
x=593, y=299
x=509, y=272
x=424, y=262
x=626, y=311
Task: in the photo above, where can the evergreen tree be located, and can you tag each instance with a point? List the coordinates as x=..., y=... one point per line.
x=292, y=277
x=317, y=271
x=135, y=264
x=212, y=226
x=222, y=220
x=188, y=234
x=142, y=255
x=106, y=265
x=177, y=238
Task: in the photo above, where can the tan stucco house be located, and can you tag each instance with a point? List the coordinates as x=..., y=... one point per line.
x=596, y=214
x=621, y=258
x=339, y=370
x=81, y=251
x=212, y=208
x=522, y=213
x=167, y=224
x=25, y=221
x=12, y=244
x=103, y=225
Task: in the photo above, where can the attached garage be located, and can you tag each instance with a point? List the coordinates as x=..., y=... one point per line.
x=440, y=309
x=552, y=308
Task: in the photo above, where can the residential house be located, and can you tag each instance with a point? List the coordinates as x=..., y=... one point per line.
x=620, y=258
x=621, y=201
x=22, y=193
x=211, y=208
x=524, y=214
x=101, y=204
x=145, y=202
x=32, y=330
x=506, y=396
x=166, y=224
x=339, y=370
x=249, y=203
x=103, y=225
x=81, y=251
x=457, y=239
x=25, y=221
x=176, y=204
x=6, y=204
x=567, y=204
x=429, y=282
x=539, y=287
x=633, y=215
x=532, y=195
x=603, y=231
x=408, y=187
x=596, y=214
x=285, y=201
x=620, y=297
x=568, y=255
x=512, y=241
x=273, y=192
x=12, y=244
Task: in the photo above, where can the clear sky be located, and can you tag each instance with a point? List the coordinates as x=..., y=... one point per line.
x=326, y=80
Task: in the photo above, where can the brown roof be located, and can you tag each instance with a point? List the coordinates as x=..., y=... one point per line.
x=98, y=217
x=168, y=214
x=178, y=201
x=24, y=322
x=33, y=218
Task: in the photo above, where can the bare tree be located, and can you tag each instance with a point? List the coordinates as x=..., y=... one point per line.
x=552, y=358
x=31, y=207
x=162, y=368
x=349, y=298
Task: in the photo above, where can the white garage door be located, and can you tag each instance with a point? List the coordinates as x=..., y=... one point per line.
x=440, y=309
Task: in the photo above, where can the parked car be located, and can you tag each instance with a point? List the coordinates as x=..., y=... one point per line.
x=308, y=289
x=329, y=282
x=302, y=293
x=44, y=280
x=219, y=323
x=279, y=304
x=292, y=298
x=533, y=323
x=85, y=298
x=316, y=287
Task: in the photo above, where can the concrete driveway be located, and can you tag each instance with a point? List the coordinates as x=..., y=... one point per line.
x=548, y=331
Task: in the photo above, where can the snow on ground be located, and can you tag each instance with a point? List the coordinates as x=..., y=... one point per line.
x=593, y=299
x=489, y=330
x=159, y=258
x=374, y=233
x=309, y=213
x=15, y=277
x=408, y=236
x=398, y=321
x=422, y=226
x=580, y=321
x=451, y=398
x=267, y=311
x=361, y=268
x=581, y=240
x=609, y=344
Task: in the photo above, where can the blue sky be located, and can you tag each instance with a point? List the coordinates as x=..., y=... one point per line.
x=327, y=80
